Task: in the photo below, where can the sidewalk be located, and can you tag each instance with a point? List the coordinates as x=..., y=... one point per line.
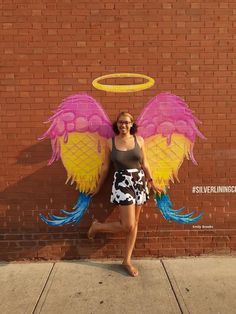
x=181, y=285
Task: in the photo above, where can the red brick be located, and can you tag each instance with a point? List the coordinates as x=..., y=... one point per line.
x=43, y=63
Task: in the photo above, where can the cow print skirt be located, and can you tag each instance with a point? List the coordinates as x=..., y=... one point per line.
x=129, y=187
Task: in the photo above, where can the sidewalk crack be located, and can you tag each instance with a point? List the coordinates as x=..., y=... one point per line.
x=46, y=282
x=172, y=287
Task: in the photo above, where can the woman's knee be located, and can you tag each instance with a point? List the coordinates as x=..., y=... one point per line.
x=128, y=226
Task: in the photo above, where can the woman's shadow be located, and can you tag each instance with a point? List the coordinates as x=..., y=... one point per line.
x=43, y=192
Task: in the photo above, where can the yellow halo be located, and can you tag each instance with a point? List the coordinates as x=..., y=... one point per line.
x=123, y=88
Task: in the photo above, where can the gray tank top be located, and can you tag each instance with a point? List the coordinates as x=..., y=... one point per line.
x=130, y=159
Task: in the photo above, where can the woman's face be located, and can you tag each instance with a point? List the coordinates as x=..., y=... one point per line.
x=124, y=124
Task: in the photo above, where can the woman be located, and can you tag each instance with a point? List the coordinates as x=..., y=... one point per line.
x=129, y=189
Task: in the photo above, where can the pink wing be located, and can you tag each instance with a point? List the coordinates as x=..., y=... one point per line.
x=167, y=114
x=169, y=131
x=78, y=133
x=77, y=113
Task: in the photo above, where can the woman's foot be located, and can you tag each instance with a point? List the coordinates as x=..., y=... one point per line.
x=132, y=271
x=92, y=232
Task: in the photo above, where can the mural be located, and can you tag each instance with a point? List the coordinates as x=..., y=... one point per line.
x=80, y=127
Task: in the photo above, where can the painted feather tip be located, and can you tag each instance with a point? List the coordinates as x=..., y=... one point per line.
x=44, y=219
x=41, y=138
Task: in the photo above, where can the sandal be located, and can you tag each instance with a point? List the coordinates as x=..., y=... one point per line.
x=131, y=270
x=90, y=232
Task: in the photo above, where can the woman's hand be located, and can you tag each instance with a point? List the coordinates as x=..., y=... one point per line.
x=95, y=191
x=155, y=188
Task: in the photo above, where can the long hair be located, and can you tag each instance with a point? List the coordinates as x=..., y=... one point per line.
x=134, y=127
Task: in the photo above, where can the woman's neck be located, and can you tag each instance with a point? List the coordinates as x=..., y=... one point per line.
x=125, y=136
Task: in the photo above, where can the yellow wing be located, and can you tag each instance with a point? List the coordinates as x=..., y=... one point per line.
x=82, y=156
x=79, y=130
x=169, y=131
x=166, y=158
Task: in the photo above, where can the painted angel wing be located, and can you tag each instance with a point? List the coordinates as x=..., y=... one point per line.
x=169, y=131
x=78, y=132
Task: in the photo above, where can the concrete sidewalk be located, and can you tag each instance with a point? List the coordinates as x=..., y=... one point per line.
x=180, y=285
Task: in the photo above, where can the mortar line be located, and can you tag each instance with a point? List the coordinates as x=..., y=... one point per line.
x=46, y=282
x=172, y=287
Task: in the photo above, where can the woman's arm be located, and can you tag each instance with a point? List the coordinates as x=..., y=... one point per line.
x=145, y=164
x=104, y=169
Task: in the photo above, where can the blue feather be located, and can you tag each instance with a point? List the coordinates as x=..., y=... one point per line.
x=70, y=217
x=165, y=206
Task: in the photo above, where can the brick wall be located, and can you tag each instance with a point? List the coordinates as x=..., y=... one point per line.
x=53, y=49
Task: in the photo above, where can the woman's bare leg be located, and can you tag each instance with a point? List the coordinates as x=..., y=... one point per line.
x=126, y=223
x=132, y=235
x=130, y=242
x=129, y=217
